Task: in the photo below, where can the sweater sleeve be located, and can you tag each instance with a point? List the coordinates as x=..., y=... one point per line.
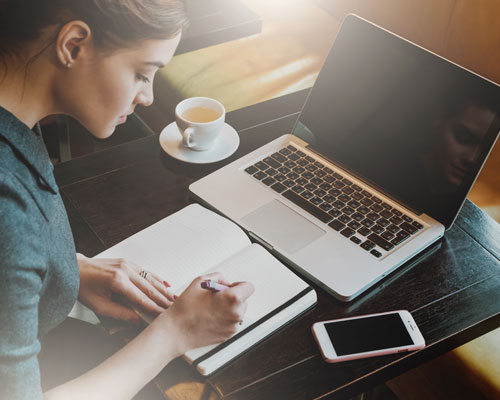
x=21, y=273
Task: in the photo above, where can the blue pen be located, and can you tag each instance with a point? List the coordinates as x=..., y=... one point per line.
x=213, y=286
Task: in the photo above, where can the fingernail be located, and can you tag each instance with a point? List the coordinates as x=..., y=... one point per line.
x=175, y=297
x=166, y=284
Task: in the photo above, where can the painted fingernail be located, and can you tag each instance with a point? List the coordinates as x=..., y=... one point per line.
x=166, y=284
x=175, y=297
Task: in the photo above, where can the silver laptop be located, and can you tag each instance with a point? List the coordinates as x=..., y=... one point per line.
x=381, y=159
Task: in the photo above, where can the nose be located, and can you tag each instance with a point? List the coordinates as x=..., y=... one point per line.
x=145, y=97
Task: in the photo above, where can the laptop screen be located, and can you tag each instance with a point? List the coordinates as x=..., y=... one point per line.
x=402, y=119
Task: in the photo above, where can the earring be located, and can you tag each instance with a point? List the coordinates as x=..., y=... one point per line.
x=69, y=64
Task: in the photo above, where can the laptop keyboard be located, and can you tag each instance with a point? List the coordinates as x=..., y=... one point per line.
x=355, y=213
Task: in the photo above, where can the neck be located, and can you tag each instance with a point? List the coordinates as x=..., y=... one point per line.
x=25, y=90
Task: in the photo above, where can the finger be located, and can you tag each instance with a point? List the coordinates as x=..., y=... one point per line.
x=137, y=298
x=242, y=290
x=160, y=285
x=147, y=287
x=120, y=312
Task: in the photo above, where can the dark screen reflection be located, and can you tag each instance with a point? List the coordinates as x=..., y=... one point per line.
x=414, y=124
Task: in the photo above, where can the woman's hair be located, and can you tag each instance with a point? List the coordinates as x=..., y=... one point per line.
x=114, y=23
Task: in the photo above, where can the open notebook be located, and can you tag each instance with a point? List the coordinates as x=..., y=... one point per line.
x=195, y=241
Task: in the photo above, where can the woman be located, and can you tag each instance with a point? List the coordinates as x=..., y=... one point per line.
x=93, y=60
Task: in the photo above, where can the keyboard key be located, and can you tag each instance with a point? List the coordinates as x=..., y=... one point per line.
x=345, y=198
x=329, y=178
x=278, y=187
x=298, y=170
x=302, y=162
x=271, y=171
x=353, y=204
x=289, y=164
x=294, y=157
x=260, y=175
x=344, y=219
x=367, y=202
x=364, y=231
x=347, y=232
x=376, y=208
x=320, y=173
x=386, y=214
x=387, y=235
x=288, y=183
x=301, y=154
x=251, y=170
x=304, y=204
x=398, y=213
x=354, y=225
x=407, y=227
x=383, y=222
x=338, y=184
x=311, y=167
x=363, y=210
x=284, y=170
x=347, y=181
x=298, y=189
x=272, y=162
x=356, y=187
x=307, y=195
x=280, y=177
x=335, y=212
x=316, y=181
x=285, y=151
x=318, y=164
x=367, y=222
x=348, y=210
x=261, y=165
x=301, y=181
x=325, y=186
x=279, y=157
x=316, y=201
x=376, y=199
x=268, y=181
x=320, y=192
x=311, y=187
x=367, y=245
x=377, y=229
x=407, y=219
x=337, y=175
x=366, y=193
x=417, y=225
x=376, y=253
x=357, y=216
x=325, y=206
x=310, y=159
x=386, y=206
x=307, y=175
x=348, y=190
x=336, y=224
x=396, y=220
x=291, y=148
x=356, y=239
x=380, y=242
x=357, y=196
x=327, y=170
x=334, y=192
x=373, y=216
x=400, y=237
x=292, y=175
x=392, y=228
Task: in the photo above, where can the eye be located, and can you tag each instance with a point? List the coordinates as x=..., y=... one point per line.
x=142, y=78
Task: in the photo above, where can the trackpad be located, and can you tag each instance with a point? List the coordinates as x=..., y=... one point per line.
x=282, y=227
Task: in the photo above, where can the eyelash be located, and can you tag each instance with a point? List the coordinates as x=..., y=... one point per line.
x=142, y=78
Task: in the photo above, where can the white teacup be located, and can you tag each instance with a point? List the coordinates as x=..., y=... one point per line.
x=200, y=121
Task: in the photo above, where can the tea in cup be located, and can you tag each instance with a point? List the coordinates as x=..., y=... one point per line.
x=200, y=121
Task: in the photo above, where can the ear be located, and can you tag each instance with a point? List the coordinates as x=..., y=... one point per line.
x=73, y=40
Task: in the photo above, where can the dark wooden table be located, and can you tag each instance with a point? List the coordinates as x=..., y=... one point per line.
x=452, y=290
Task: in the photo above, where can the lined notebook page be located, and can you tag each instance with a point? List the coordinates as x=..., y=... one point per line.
x=183, y=245
x=274, y=285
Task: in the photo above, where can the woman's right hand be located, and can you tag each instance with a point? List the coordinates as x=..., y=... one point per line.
x=200, y=317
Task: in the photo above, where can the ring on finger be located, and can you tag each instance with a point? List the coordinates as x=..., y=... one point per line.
x=144, y=274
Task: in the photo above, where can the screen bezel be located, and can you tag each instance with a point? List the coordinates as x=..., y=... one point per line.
x=461, y=195
x=328, y=348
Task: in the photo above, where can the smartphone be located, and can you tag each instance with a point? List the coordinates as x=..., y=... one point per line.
x=367, y=336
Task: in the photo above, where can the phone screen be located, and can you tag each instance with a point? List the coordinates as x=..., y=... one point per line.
x=368, y=334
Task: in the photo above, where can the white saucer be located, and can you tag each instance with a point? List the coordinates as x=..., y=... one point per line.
x=171, y=142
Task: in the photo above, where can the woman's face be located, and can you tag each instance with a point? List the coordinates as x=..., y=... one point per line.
x=101, y=90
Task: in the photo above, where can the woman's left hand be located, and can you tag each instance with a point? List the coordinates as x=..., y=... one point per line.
x=101, y=278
